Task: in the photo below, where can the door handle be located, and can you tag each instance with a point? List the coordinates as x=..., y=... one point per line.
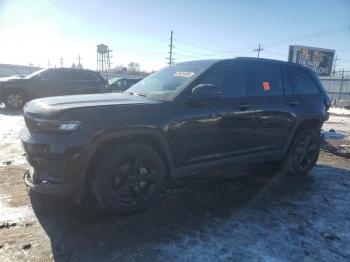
x=256, y=120
x=294, y=102
x=243, y=106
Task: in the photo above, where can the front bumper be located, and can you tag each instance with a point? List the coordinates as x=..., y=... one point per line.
x=43, y=186
x=56, y=161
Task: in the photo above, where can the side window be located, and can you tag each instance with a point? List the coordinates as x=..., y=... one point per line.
x=231, y=78
x=267, y=80
x=47, y=75
x=85, y=76
x=302, y=82
x=63, y=75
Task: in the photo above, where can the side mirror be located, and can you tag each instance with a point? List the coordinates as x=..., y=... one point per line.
x=205, y=92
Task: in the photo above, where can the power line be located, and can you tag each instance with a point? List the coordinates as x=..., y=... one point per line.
x=202, y=47
x=194, y=53
x=306, y=36
x=274, y=53
x=146, y=46
x=269, y=44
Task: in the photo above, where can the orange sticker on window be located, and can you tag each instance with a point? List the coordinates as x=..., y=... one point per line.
x=266, y=86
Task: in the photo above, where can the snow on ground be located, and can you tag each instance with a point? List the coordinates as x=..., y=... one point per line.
x=295, y=226
x=10, y=125
x=339, y=111
x=341, y=126
x=264, y=218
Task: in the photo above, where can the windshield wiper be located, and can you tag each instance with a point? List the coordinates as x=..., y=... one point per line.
x=137, y=94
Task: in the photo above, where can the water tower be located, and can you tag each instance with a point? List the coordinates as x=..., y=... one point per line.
x=103, y=58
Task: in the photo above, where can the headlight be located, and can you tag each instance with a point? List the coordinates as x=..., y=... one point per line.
x=57, y=126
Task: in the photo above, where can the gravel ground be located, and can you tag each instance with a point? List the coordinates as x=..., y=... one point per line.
x=259, y=215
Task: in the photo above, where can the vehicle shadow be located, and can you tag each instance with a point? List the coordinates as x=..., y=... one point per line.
x=184, y=207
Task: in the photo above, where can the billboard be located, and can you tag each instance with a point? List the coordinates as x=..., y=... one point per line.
x=317, y=59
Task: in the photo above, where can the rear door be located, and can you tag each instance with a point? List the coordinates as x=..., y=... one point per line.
x=91, y=82
x=83, y=82
x=275, y=107
x=64, y=82
x=311, y=98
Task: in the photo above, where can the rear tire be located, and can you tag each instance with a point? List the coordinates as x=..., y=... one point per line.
x=128, y=178
x=303, y=153
x=15, y=99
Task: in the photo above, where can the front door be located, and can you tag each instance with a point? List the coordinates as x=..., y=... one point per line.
x=43, y=84
x=221, y=128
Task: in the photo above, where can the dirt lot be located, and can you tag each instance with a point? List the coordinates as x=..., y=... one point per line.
x=257, y=216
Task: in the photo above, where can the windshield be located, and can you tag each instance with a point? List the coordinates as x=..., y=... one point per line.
x=113, y=80
x=167, y=83
x=34, y=74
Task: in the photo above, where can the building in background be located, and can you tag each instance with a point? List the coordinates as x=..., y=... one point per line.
x=16, y=70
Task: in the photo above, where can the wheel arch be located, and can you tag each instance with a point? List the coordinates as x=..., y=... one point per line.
x=313, y=123
x=104, y=142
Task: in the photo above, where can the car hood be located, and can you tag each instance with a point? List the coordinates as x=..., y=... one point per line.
x=55, y=105
x=11, y=79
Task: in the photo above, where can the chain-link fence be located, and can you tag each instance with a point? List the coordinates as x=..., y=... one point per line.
x=338, y=87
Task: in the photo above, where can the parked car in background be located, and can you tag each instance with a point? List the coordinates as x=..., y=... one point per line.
x=185, y=119
x=120, y=84
x=15, y=92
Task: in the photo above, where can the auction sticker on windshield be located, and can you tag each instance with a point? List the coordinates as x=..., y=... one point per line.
x=184, y=74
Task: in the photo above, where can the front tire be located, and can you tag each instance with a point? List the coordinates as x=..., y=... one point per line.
x=129, y=178
x=15, y=99
x=303, y=153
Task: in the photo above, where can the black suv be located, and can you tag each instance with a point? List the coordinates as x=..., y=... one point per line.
x=182, y=120
x=50, y=82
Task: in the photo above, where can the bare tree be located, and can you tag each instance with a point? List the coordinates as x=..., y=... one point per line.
x=134, y=67
x=119, y=69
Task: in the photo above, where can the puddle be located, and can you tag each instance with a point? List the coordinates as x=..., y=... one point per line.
x=332, y=135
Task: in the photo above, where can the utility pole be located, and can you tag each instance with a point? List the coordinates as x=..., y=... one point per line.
x=79, y=60
x=171, y=46
x=335, y=64
x=258, y=50
x=61, y=60
x=340, y=86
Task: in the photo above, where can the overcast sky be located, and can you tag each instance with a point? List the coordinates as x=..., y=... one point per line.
x=45, y=30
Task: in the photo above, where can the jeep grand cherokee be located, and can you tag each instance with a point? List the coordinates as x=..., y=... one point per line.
x=183, y=119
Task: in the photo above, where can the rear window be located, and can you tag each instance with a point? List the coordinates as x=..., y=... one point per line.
x=267, y=80
x=302, y=82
